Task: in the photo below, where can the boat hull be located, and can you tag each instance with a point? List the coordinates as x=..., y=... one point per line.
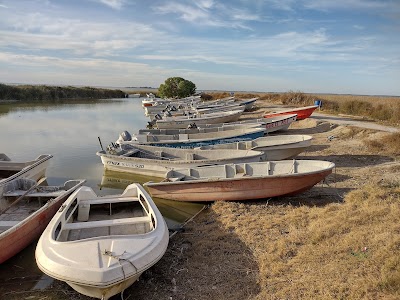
x=274, y=147
x=35, y=171
x=15, y=239
x=158, y=168
x=184, y=123
x=238, y=188
x=193, y=144
x=101, y=254
x=302, y=113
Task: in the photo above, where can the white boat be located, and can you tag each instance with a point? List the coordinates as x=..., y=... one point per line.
x=211, y=118
x=189, y=104
x=278, y=123
x=26, y=209
x=155, y=161
x=276, y=147
x=192, y=140
x=136, y=95
x=100, y=252
x=204, y=129
x=244, y=181
x=32, y=169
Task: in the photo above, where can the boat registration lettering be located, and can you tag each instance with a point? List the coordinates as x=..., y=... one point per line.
x=125, y=164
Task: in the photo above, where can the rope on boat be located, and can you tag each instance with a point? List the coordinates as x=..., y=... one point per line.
x=189, y=220
x=119, y=258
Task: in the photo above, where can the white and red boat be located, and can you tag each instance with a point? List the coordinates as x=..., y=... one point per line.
x=27, y=208
x=302, y=112
x=244, y=181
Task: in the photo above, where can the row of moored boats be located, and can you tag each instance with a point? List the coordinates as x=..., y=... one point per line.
x=201, y=151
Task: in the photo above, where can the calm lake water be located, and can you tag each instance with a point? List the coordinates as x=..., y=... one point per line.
x=70, y=132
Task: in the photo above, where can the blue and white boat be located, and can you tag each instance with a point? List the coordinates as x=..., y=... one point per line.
x=192, y=140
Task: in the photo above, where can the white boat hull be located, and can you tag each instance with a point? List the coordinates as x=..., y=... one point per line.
x=100, y=253
x=277, y=147
x=213, y=118
x=158, y=167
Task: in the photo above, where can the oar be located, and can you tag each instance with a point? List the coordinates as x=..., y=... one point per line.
x=23, y=195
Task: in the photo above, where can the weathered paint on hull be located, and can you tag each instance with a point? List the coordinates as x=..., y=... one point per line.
x=239, y=188
x=279, y=124
x=18, y=238
x=302, y=113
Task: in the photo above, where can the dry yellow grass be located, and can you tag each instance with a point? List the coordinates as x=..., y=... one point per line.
x=343, y=250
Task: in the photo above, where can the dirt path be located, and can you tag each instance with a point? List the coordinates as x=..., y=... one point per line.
x=343, y=120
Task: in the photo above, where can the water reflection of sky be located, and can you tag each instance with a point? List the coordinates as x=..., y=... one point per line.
x=70, y=133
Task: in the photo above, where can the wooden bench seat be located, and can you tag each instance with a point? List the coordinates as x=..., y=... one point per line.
x=107, y=200
x=106, y=223
x=4, y=225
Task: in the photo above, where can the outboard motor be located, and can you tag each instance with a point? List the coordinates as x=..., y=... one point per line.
x=125, y=136
x=192, y=126
x=150, y=125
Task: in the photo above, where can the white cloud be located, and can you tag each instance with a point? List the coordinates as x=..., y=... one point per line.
x=208, y=14
x=344, y=4
x=115, y=4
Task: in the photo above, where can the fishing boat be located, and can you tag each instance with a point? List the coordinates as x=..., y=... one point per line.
x=26, y=209
x=32, y=169
x=243, y=181
x=302, y=112
x=100, y=252
x=211, y=118
x=192, y=140
x=208, y=128
x=277, y=147
x=155, y=161
x=193, y=111
x=278, y=123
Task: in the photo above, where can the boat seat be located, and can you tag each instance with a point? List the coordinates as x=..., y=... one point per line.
x=107, y=200
x=4, y=225
x=183, y=137
x=178, y=178
x=130, y=152
x=33, y=194
x=190, y=156
x=106, y=223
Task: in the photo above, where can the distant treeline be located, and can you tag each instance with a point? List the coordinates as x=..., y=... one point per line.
x=55, y=93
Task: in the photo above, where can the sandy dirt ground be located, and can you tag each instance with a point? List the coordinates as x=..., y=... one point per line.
x=207, y=260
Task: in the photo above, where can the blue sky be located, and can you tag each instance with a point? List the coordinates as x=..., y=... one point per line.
x=313, y=46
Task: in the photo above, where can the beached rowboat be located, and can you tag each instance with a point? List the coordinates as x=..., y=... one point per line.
x=32, y=169
x=155, y=161
x=191, y=140
x=244, y=181
x=302, y=112
x=211, y=118
x=101, y=245
x=27, y=208
x=276, y=147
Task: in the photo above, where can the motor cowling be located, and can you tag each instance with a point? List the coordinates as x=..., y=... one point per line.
x=125, y=136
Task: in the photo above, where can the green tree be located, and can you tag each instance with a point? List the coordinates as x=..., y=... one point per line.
x=176, y=87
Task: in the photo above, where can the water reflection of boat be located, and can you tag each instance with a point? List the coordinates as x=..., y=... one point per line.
x=175, y=213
